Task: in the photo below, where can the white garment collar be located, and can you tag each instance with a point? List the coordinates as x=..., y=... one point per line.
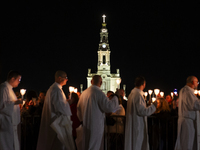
x=192, y=90
x=140, y=91
x=8, y=85
x=58, y=85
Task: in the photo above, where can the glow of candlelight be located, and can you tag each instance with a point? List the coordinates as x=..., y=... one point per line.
x=153, y=99
x=75, y=90
x=22, y=92
x=150, y=92
x=145, y=94
x=161, y=94
x=156, y=91
x=172, y=95
x=71, y=89
x=199, y=92
x=118, y=81
x=195, y=92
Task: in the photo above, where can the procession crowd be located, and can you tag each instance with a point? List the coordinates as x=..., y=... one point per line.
x=76, y=121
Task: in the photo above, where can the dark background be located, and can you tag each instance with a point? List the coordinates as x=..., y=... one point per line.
x=159, y=40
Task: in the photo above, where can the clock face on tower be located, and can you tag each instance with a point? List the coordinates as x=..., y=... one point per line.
x=104, y=45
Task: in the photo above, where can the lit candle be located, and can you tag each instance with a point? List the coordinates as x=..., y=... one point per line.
x=199, y=92
x=145, y=94
x=22, y=92
x=150, y=92
x=71, y=89
x=195, y=92
x=153, y=99
x=172, y=95
x=75, y=90
x=161, y=94
x=118, y=83
x=156, y=91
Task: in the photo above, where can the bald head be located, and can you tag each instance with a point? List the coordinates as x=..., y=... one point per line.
x=192, y=82
x=60, y=73
x=61, y=77
x=96, y=80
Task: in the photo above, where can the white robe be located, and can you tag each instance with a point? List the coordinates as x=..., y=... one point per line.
x=91, y=109
x=9, y=118
x=136, y=131
x=118, y=127
x=187, y=120
x=55, y=105
x=119, y=111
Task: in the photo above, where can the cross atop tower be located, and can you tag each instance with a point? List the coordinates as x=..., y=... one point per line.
x=104, y=16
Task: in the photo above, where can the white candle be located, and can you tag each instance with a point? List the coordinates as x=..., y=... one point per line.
x=75, y=90
x=172, y=95
x=195, y=92
x=156, y=91
x=145, y=94
x=153, y=99
x=199, y=92
x=22, y=91
x=118, y=83
x=161, y=94
x=71, y=89
x=150, y=92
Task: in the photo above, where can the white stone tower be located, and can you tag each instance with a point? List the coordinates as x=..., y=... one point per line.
x=109, y=81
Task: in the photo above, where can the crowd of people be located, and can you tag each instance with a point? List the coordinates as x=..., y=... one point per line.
x=77, y=121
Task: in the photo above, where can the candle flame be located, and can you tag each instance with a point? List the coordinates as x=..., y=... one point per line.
x=156, y=91
x=71, y=89
x=22, y=91
x=150, y=92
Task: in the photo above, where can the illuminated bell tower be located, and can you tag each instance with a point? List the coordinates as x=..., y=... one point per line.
x=104, y=49
x=108, y=80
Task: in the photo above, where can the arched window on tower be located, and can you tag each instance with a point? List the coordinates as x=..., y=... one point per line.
x=104, y=59
x=104, y=38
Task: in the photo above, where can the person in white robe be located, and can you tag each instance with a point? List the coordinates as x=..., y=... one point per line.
x=9, y=113
x=188, y=116
x=56, y=111
x=136, y=131
x=91, y=109
x=118, y=127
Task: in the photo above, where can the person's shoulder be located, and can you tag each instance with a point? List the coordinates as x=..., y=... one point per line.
x=3, y=86
x=55, y=87
x=95, y=88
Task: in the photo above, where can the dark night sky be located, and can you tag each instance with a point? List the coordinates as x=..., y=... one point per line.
x=159, y=40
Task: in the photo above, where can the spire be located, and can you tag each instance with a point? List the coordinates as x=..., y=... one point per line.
x=104, y=21
x=104, y=16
